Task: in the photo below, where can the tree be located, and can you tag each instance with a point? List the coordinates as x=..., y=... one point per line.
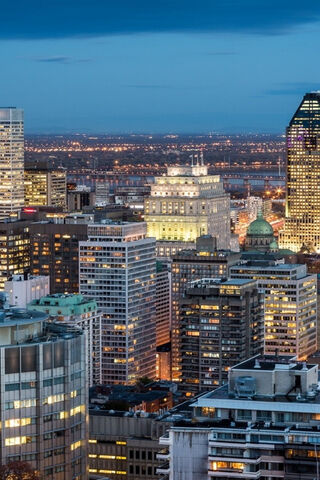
x=18, y=471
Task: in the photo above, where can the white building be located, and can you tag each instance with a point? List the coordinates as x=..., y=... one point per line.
x=117, y=269
x=264, y=424
x=22, y=291
x=11, y=161
x=184, y=204
x=102, y=193
x=290, y=297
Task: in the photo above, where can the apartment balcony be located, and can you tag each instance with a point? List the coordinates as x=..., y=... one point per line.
x=165, y=439
x=163, y=469
x=163, y=454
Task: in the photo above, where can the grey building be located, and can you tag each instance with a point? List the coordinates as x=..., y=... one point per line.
x=43, y=394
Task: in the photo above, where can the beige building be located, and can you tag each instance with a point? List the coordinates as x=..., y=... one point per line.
x=184, y=204
x=45, y=187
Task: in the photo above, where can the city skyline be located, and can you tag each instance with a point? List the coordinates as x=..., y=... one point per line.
x=90, y=68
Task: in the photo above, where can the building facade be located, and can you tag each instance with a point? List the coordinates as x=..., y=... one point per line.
x=204, y=261
x=22, y=289
x=302, y=222
x=14, y=248
x=54, y=252
x=290, y=305
x=264, y=424
x=44, y=395
x=123, y=446
x=185, y=204
x=45, y=187
x=117, y=269
x=221, y=322
x=11, y=161
x=76, y=311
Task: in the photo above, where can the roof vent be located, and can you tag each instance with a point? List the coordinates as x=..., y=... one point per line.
x=257, y=364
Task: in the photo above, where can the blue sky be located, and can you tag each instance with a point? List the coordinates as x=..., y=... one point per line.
x=102, y=66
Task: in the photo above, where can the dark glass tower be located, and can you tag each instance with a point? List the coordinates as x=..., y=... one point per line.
x=302, y=225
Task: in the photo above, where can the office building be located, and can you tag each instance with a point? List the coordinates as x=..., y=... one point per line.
x=11, y=161
x=205, y=261
x=290, y=305
x=102, y=192
x=45, y=187
x=221, y=322
x=54, y=251
x=76, y=311
x=80, y=197
x=124, y=446
x=163, y=320
x=22, y=289
x=44, y=394
x=263, y=424
x=302, y=222
x=184, y=204
x=14, y=248
x=118, y=269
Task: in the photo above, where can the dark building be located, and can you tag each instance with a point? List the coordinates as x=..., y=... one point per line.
x=14, y=248
x=205, y=261
x=221, y=323
x=55, y=252
x=80, y=198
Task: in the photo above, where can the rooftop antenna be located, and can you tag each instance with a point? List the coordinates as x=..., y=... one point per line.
x=191, y=156
x=279, y=161
x=201, y=157
x=197, y=159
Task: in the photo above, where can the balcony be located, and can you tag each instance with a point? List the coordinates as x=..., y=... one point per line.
x=165, y=439
x=164, y=454
x=164, y=469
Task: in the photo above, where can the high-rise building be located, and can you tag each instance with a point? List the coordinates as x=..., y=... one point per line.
x=102, y=192
x=290, y=305
x=54, y=252
x=45, y=187
x=22, y=289
x=163, y=320
x=205, y=261
x=264, y=424
x=185, y=204
x=221, y=322
x=76, y=311
x=117, y=269
x=44, y=394
x=11, y=161
x=80, y=197
x=14, y=248
x=302, y=223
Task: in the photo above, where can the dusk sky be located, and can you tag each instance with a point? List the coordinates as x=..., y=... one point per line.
x=107, y=66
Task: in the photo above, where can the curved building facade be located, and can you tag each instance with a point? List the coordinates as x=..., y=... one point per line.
x=43, y=389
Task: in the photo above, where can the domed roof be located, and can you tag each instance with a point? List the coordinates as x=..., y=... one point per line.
x=260, y=227
x=274, y=245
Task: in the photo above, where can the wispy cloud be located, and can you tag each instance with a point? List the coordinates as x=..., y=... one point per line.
x=80, y=18
x=294, y=88
x=61, y=59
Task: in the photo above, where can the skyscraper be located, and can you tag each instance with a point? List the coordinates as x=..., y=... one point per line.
x=11, y=161
x=302, y=224
x=117, y=269
x=221, y=323
x=185, y=204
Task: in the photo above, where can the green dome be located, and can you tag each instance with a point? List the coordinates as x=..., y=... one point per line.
x=260, y=227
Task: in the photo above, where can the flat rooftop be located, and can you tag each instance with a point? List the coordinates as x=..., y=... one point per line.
x=272, y=362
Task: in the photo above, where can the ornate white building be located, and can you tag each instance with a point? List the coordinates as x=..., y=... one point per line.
x=185, y=204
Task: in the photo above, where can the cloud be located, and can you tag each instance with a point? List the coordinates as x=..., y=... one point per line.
x=61, y=59
x=80, y=18
x=294, y=88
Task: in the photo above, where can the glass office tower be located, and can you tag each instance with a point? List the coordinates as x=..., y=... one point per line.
x=11, y=161
x=302, y=225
